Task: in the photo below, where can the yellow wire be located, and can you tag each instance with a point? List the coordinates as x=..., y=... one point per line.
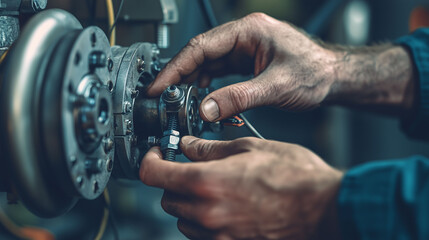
x=112, y=38
x=111, y=17
x=105, y=216
x=3, y=56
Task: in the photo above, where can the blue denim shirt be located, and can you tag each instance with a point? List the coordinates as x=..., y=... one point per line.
x=390, y=199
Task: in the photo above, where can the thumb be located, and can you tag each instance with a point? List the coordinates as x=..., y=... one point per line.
x=235, y=99
x=197, y=149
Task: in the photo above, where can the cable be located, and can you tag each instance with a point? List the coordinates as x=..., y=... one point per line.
x=111, y=18
x=2, y=57
x=105, y=218
x=116, y=18
x=208, y=13
x=249, y=126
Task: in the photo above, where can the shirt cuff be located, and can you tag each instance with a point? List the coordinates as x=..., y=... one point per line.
x=385, y=200
x=417, y=124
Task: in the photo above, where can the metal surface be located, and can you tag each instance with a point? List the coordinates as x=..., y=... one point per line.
x=56, y=108
x=30, y=6
x=19, y=87
x=9, y=31
x=86, y=116
x=133, y=74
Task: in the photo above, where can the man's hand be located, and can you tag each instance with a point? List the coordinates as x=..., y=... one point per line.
x=246, y=189
x=291, y=71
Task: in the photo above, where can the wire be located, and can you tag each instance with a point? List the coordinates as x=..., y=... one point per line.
x=105, y=218
x=208, y=12
x=113, y=27
x=111, y=18
x=249, y=126
x=2, y=57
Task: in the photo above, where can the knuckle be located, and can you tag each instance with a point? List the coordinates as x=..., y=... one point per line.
x=247, y=143
x=197, y=41
x=257, y=16
x=211, y=219
x=240, y=96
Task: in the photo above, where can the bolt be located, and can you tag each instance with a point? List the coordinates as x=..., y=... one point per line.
x=134, y=93
x=169, y=152
x=108, y=145
x=109, y=164
x=140, y=65
x=97, y=59
x=134, y=140
x=128, y=107
x=173, y=92
x=152, y=141
x=73, y=160
x=94, y=166
x=129, y=125
x=109, y=64
x=79, y=181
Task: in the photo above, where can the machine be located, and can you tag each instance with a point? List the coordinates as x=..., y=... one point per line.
x=74, y=114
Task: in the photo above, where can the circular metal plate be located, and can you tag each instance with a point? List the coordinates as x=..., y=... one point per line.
x=20, y=88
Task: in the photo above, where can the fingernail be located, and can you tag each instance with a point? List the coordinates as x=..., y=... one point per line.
x=186, y=140
x=211, y=110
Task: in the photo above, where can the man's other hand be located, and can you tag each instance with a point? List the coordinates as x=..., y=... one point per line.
x=246, y=189
x=290, y=70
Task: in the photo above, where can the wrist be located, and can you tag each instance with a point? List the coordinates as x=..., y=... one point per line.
x=379, y=76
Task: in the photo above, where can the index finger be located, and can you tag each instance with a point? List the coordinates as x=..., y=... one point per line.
x=211, y=45
x=173, y=176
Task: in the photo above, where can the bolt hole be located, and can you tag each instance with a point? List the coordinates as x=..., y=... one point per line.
x=95, y=187
x=109, y=165
x=103, y=111
x=93, y=39
x=70, y=88
x=109, y=64
x=110, y=85
x=77, y=58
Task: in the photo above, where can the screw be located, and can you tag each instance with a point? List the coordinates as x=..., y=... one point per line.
x=128, y=107
x=129, y=125
x=170, y=154
x=134, y=93
x=79, y=180
x=173, y=92
x=152, y=141
x=140, y=65
x=73, y=160
x=109, y=164
x=134, y=140
x=108, y=145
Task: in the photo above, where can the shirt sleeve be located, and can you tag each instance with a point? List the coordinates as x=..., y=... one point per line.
x=417, y=124
x=386, y=200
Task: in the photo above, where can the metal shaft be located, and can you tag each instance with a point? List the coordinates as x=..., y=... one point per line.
x=170, y=154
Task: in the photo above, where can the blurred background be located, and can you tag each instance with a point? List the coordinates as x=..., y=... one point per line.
x=344, y=138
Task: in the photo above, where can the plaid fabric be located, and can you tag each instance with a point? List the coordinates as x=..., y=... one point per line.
x=386, y=200
x=417, y=124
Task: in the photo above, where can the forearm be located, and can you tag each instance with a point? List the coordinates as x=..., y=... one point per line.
x=378, y=78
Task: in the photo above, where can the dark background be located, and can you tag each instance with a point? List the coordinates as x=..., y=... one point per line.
x=342, y=137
